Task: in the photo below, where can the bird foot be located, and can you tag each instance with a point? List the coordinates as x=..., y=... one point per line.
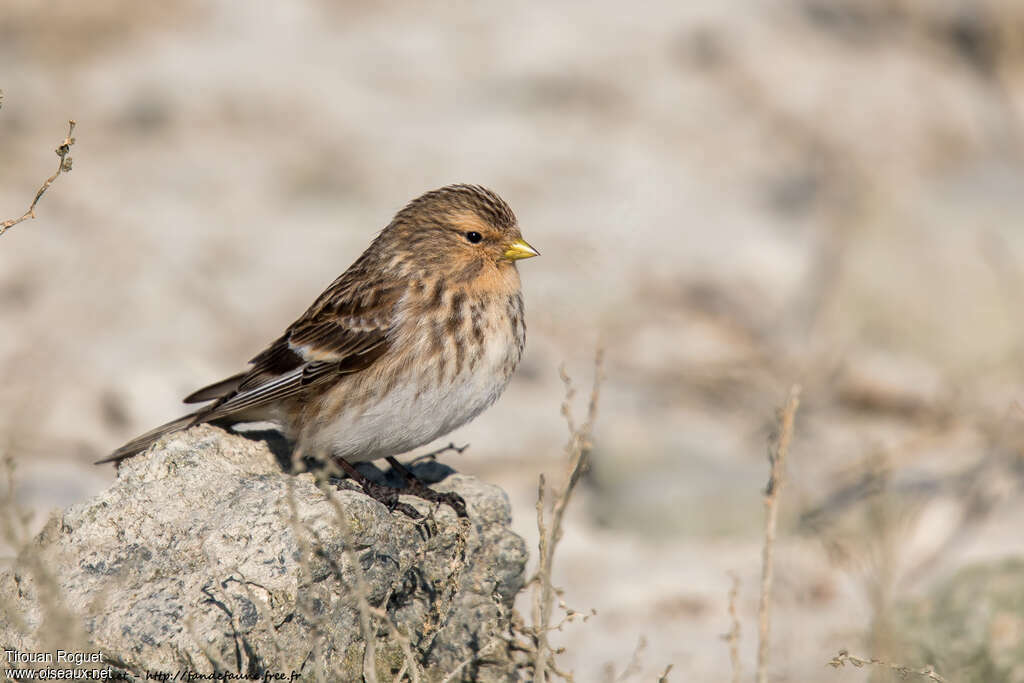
x=415, y=487
x=453, y=500
x=388, y=496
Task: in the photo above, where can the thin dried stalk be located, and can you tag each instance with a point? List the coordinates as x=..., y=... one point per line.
x=367, y=613
x=63, y=166
x=733, y=636
x=844, y=658
x=361, y=590
x=302, y=598
x=578, y=449
x=478, y=655
x=777, y=458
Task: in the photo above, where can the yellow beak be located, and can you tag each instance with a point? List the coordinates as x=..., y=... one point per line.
x=520, y=249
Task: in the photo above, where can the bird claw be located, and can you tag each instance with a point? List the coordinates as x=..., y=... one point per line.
x=418, y=489
x=427, y=527
x=386, y=496
x=413, y=487
x=449, y=498
x=407, y=510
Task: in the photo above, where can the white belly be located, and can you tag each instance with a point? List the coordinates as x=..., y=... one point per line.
x=416, y=412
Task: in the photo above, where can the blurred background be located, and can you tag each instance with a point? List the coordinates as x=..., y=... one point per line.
x=730, y=197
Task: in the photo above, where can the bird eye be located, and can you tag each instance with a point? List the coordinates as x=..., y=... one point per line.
x=474, y=237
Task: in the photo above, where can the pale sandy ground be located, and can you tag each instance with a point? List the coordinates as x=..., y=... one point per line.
x=732, y=196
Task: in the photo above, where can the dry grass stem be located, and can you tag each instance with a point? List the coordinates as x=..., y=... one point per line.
x=777, y=458
x=63, y=166
x=432, y=455
x=189, y=622
x=733, y=636
x=635, y=664
x=578, y=449
x=14, y=522
x=465, y=662
x=60, y=627
x=303, y=598
x=844, y=658
x=361, y=590
x=367, y=612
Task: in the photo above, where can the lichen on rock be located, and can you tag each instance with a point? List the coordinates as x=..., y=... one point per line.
x=205, y=556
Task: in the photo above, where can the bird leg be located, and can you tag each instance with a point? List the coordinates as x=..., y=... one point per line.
x=417, y=488
x=380, y=493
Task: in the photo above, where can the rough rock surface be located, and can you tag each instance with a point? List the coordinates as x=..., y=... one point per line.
x=205, y=556
x=971, y=628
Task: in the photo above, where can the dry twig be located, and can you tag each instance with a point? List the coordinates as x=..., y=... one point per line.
x=432, y=455
x=733, y=636
x=63, y=166
x=304, y=599
x=578, y=449
x=59, y=627
x=844, y=658
x=465, y=662
x=367, y=612
x=370, y=615
x=777, y=458
x=634, y=666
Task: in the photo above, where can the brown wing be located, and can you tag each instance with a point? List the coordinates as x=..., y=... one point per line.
x=344, y=331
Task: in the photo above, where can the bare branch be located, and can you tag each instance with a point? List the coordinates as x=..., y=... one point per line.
x=578, y=449
x=432, y=455
x=777, y=458
x=63, y=166
x=733, y=636
x=844, y=658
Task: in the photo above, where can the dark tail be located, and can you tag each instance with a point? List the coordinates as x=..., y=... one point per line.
x=217, y=390
x=141, y=443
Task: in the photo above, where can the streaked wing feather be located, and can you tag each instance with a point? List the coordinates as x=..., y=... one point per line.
x=281, y=387
x=344, y=332
x=216, y=390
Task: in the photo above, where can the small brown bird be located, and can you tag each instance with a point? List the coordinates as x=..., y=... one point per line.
x=415, y=339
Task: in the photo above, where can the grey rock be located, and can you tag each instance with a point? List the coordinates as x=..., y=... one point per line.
x=205, y=556
x=970, y=628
